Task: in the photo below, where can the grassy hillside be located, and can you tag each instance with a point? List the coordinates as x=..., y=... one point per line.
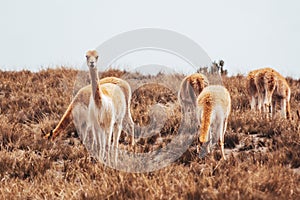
x=263, y=157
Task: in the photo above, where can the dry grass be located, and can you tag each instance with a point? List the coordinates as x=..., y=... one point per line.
x=263, y=156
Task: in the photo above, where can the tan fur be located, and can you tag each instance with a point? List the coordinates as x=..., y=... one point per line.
x=114, y=90
x=252, y=89
x=191, y=86
x=282, y=94
x=265, y=80
x=127, y=92
x=83, y=97
x=206, y=101
x=261, y=84
x=213, y=109
x=106, y=110
x=91, y=54
x=265, y=84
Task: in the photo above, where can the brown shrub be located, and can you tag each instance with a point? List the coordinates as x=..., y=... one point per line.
x=262, y=155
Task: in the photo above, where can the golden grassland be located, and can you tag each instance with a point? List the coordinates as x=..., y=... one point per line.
x=263, y=156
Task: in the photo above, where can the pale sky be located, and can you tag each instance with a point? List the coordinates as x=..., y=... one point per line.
x=36, y=34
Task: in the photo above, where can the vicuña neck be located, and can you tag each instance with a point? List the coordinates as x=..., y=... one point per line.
x=95, y=86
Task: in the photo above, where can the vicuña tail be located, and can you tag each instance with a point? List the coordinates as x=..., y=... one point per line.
x=205, y=119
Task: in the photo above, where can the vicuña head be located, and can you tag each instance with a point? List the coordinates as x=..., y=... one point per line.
x=92, y=58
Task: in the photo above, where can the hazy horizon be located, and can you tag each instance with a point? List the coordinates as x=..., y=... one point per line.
x=246, y=35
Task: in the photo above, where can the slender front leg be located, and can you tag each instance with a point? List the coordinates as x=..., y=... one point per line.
x=117, y=134
x=283, y=108
x=253, y=103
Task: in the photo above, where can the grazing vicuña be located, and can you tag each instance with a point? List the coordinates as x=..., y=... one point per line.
x=252, y=89
x=282, y=94
x=265, y=80
x=213, y=109
x=191, y=86
x=265, y=86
